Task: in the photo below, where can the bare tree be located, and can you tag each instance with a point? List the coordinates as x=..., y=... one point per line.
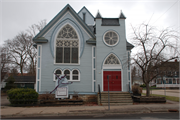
x=5, y=60
x=21, y=50
x=18, y=48
x=32, y=53
x=155, y=48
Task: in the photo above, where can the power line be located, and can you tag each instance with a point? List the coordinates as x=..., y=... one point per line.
x=166, y=11
x=150, y=18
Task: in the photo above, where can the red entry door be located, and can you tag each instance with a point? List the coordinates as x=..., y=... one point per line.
x=114, y=80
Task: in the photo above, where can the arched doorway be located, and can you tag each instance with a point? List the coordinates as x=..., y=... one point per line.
x=112, y=68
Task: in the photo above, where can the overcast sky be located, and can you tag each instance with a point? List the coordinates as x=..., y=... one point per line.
x=18, y=15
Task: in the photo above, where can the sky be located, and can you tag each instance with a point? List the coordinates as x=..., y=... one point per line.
x=17, y=15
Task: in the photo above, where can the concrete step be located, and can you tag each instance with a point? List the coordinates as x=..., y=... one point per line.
x=116, y=104
x=115, y=96
x=116, y=99
x=121, y=101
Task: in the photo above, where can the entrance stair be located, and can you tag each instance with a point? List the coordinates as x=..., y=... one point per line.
x=115, y=98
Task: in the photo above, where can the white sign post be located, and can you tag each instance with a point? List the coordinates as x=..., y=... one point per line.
x=62, y=92
x=62, y=87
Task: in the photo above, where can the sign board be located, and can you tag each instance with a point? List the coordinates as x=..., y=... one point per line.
x=62, y=92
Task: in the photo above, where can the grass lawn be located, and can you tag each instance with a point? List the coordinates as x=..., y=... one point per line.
x=172, y=98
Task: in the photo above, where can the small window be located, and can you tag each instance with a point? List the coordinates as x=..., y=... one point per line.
x=75, y=75
x=174, y=81
x=22, y=85
x=167, y=81
x=58, y=73
x=67, y=73
x=177, y=81
x=84, y=17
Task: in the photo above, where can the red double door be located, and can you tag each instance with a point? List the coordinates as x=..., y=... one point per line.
x=114, y=80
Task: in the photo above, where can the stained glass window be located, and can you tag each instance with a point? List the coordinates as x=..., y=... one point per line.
x=112, y=60
x=111, y=38
x=67, y=45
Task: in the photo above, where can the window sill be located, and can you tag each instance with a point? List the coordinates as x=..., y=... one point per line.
x=66, y=64
x=70, y=80
x=74, y=80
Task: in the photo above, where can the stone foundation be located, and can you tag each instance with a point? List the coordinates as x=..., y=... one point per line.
x=89, y=98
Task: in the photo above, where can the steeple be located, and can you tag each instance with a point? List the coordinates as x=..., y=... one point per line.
x=121, y=16
x=98, y=15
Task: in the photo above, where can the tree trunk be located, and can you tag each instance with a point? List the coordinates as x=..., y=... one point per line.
x=147, y=90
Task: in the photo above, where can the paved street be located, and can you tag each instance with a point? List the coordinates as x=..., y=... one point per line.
x=155, y=116
x=169, y=92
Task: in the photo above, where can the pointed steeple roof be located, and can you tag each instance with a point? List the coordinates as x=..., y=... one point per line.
x=98, y=15
x=122, y=15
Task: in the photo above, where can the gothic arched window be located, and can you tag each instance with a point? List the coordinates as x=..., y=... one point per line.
x=112, y=59
x=67, y=45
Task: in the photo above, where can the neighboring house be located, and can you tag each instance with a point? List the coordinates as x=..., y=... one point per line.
x=85, y=48
x=169, y=76
x=4, y=76
x=137, y=80
x=24, y=81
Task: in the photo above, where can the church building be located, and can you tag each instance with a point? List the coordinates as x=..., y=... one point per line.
x=89, y=50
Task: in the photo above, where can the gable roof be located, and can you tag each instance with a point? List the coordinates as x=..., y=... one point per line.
x=57, y=17
x=86, y=10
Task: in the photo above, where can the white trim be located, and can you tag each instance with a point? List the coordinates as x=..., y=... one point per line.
x=129, y=69
x=117, y=39
x=79, y=44
x=93, y=80
x=24, y=82
x=38, y=68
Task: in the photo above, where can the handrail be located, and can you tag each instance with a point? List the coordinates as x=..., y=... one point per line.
x=99, y=92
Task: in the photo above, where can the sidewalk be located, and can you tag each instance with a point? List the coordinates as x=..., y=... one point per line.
x=86, y=110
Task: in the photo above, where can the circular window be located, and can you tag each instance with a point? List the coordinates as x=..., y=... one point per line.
x=111, y=38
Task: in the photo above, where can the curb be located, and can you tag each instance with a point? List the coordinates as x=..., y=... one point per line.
x=90, y=113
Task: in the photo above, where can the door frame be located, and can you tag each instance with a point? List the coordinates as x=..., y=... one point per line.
x=114, y=69
x=111, y=78
x=111, y=67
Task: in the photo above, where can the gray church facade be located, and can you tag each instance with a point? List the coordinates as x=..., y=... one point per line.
x=87, y=49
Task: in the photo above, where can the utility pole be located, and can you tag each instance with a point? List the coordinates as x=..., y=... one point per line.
x=108, y=92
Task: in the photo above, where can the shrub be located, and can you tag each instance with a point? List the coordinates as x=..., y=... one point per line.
x=46, y=96
x=22, y=96
x=10, y=84
x=136, y=89
x=143, y=85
